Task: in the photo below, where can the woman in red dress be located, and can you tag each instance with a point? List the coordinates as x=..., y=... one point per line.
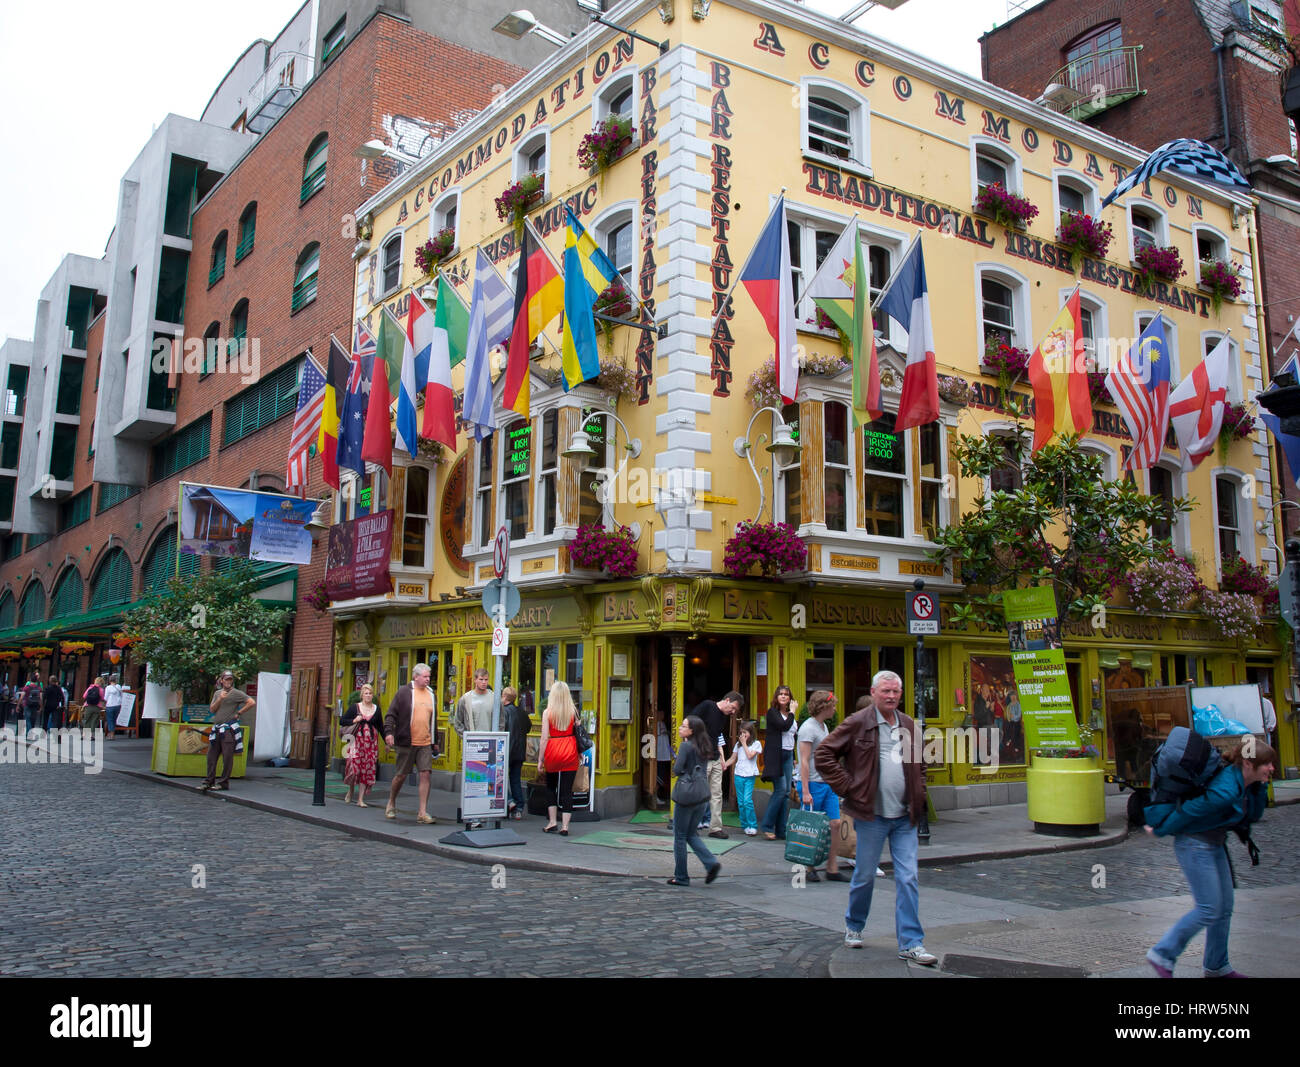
x=559, y=758
x=362, y=748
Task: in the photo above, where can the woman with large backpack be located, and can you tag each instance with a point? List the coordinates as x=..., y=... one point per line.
x=1233, y=798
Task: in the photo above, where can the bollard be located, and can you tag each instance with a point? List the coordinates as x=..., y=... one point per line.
x=319, y=748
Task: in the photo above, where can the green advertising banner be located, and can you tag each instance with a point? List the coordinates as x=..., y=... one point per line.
x=1038, y=664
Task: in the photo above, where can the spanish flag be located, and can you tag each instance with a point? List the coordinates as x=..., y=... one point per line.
x=539, y=297
x=336, y=387
x=1059, y=374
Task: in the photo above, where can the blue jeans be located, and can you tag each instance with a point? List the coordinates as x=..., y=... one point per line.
x=778, y=807
x=517, y=786
x=745, y=803
x=901, y=835
x=1205, y=867
x=686, y=831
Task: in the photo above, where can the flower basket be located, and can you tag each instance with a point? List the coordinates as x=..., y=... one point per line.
x=605, y=145
x=617, y=379
x=1097, y=391
x=1242, y=577
x=762, y=389
x=1084, y=236
x=1222, y=280
x=513, y=204
x=1238, y=425
x=1168, y=583
x=36, y=651
x=613, y=300
x=1235, y=615
x=1003, y=360
x=7, y=655
x=125, y=640
x=1156, y=264
x=954, y=390
x=434, y=250
x=613, y=551
x=773, y=547
x=1004, y=208
x=434, y=450
x=318, y=598
x=75, y=648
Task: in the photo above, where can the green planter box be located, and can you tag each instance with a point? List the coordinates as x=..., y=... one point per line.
x=169, y=760
x=1067, y=797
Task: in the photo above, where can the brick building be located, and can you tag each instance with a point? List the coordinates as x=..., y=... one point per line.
x=1150, y=71
x=261, y=204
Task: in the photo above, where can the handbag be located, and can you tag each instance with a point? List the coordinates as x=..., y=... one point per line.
x=807, y=837
x=693, y=787
x=580, y=736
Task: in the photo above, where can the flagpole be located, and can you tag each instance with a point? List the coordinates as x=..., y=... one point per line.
x=813, y=280
x=714, y=323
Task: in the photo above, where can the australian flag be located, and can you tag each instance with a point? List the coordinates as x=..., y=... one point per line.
x=352, y=423
x=1194, y=159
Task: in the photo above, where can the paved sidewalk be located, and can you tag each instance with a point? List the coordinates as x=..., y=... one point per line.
x=966, y=834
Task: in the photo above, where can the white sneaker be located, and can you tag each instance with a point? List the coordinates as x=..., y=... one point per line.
x=880, y=872
x=750, y=831
x=917, y=954
x=852, y=938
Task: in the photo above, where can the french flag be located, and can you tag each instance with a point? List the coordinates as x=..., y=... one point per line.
x=908, y=303
x=768, y=281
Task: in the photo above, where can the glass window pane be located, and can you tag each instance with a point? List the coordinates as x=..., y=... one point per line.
x=883, y=449
x=883, y=505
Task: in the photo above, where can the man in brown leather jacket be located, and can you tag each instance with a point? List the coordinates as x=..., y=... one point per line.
x=873, y=760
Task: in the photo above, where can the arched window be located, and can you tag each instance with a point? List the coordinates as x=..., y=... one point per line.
x=390, y=263
x=239, y=321
x=68, y=592
x=33, y=604
x=313, y=168
x=160, y=563
x=210, y=337
x=304, y=279
x=8, y=610
x=112, y=581
x=835, y=124
x=218, y=268
x=247, y=231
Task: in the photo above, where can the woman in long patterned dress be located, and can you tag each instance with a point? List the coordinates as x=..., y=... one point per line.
x=363, y=748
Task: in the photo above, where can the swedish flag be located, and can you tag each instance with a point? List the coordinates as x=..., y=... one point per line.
x=587, y=272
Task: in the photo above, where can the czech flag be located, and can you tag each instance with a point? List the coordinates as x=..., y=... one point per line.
x=539, y=297
x=1059, y=374
x=768, y=281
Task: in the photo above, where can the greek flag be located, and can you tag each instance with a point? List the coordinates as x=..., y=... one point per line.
x=1194, y=159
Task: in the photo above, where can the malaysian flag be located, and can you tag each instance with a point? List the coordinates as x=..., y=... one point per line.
x=306, y=423
x=1192, y=159
x=1139, y=384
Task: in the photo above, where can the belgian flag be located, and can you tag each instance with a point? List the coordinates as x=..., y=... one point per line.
x=336, y=387
x=539, y=297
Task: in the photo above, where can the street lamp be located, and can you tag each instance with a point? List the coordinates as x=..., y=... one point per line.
x=582, y=454
x=519, y=23
x=784, y=448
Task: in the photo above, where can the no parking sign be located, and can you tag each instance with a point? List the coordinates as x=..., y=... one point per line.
x=922, y=613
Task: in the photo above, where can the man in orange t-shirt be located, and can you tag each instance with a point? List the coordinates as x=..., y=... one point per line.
x=408, y=729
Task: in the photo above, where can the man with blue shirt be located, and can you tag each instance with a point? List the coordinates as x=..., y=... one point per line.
x=873, y=761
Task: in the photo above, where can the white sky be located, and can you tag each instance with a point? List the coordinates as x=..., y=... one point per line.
x=82, y=95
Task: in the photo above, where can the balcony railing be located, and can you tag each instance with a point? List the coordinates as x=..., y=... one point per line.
x=1093, y=83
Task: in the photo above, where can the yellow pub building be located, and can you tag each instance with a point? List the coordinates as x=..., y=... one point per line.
x=730, y=103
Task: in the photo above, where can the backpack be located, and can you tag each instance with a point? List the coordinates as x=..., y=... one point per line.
x=1182, y=767
x=32, y=696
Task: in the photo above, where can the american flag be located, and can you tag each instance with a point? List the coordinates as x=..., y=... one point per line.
x=306, y=423
x=1139, y=384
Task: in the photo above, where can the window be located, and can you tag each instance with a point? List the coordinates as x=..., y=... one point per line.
x=391, y=264
x=531, y=156
x=835, y=125
x=275, y=396
x=1211, y=246
x=516, y=466
x=304, y=279
x=837, y=436
x=247, y=231
x=615, y=232
x=239, y=322
x=617, y=97
x=483, y=490
x=210, y=336
x=1093, y=58
x=998, y=311
x=68, y=594
x=75, y=510
x=932, y=478
x=445, y=216
x=1160, y=483
x=1105, y=456
x=112, y=493
x=332, y=43
x=1007, y=477
x=181, y=449
x=590, y=507
x=1096, y=335
x=112, y=582
x=789, y=493
x=217, y=269
x=7, y=609
x=160, y=564
x=160, y=394
x=1226, y=522
x=811, y=241
x=547, y=470
x=1075, y=194
x=1146, y=227
x=1209, y=342
x=313, y=168
x=884, y=478
x=33, y=609
x=993, y=166
x=415, y=525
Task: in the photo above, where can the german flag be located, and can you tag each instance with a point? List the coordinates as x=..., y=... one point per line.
x=539, y=297
x=336, y=388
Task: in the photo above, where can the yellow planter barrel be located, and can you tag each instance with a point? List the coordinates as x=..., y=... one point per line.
x=1066, y=795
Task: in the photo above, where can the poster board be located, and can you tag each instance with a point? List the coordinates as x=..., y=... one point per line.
x=483, y=779
x=1240, y=702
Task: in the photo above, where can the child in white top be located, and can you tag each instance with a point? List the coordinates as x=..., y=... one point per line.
x=745, y=757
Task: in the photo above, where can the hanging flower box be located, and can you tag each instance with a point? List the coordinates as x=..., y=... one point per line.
x=1223, y=280
x=762, y=390
x=1155, y=264
x=605, y=145
x=1242, y=577
x=434, y=250
x=75, y=648
x=613, y=300
x=1238, y=425
x=434, y=450
x=1084, y=236
x=7, y=655
x=318, y=598
x=514, y=203
x=773, y=547
x=1003, y=359
x=1097, y=391
x=125, y=640
x=613, y=551
x=1235, y=615
x=954, y=390
x=617, y=379
x=1004, y=208
x=36, y=651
